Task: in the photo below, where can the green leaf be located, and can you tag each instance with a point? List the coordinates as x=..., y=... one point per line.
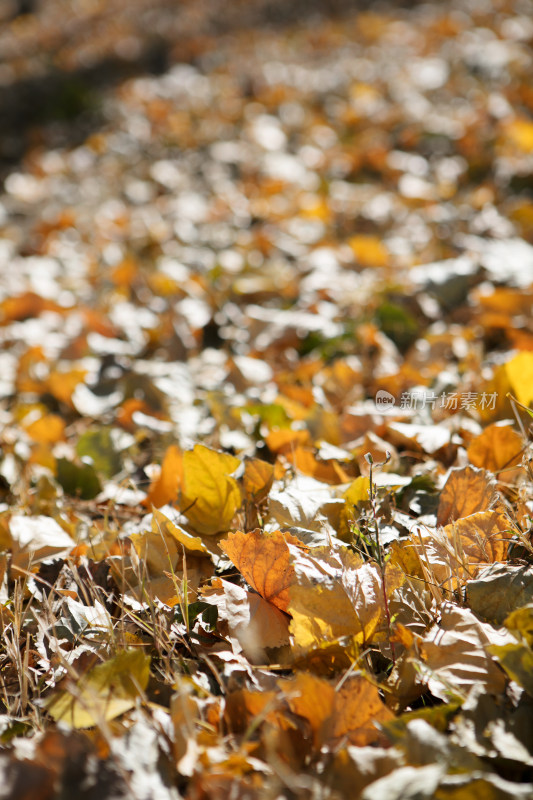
x=97, y=444
x=77, y=481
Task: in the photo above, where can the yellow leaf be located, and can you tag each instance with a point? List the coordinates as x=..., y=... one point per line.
x=164, y=553
x=337, y=596
x=369, y=251
x=209, y=495
x=520, y=374
x=62, y=384
x=521, y=620
x=520, y=133
x=357, y=493
x=517, y=661
x=108, y=690
x=192, y=544
x=47, y=430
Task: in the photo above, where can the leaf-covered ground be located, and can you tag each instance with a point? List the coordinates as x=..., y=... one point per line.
x=266, y=363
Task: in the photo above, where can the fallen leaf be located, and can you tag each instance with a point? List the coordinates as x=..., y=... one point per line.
x=517, y=661
x=456, y=654
x=106, y=692
x=336, y=595
x=466, y=491
x=257, y=479
x=209, y=496
x=264, y=560
x=521, y=621
x=252, y=621
x=47, y=430
x=348, y=713
x=499, y=590
x=165, y=488
x=497, y=448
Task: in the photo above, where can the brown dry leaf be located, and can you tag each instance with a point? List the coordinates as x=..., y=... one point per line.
x=484, y=537
x=358, y=708
x=498, y=447
x=455, y=553
x=185, y=716
x=466, y=491
x=254, y=624
x=264, y=560
x=165, y=489
x=163, y=558
x=209, y=495
x=455, y=654
x=336, y=714
x=243, y=706
x=500, y=589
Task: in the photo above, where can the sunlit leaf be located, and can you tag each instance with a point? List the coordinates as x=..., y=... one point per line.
x=498, y=447
x=466, y=491
x=106, y=692
x=209, y=496
x=257, y=479
x=264, y=559
x=517, y=661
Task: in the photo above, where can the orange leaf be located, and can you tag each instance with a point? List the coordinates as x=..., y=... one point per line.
x=484, y=536
x=257, y=479
x=47, y=430
x=165, y=488
x=264, y=561
x=337, y=714
x=325, y=470
x=25, y=306
x=368, y=251
x=286, y=439
x=498, y=447
x=466, y=491
x=62, y=384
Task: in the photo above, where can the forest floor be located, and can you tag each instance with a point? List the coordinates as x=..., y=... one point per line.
x=266, y=370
